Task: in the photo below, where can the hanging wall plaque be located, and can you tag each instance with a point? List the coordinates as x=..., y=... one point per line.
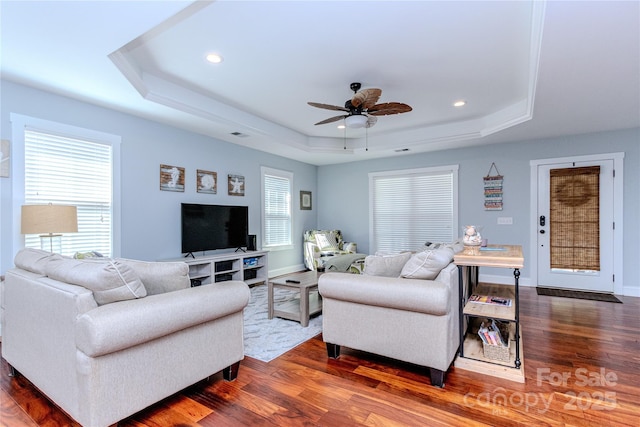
x=493, y=190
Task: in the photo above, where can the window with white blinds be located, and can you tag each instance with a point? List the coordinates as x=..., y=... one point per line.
x=71, y=171
x=409, y=208
x=276, y=208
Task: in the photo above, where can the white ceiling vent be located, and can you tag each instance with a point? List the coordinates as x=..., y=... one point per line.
x=240, y=134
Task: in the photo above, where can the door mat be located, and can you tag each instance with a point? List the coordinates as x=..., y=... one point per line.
x=594, y=296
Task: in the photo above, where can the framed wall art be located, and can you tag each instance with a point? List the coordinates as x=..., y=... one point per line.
x=493, y=190
x=207, y=182
x=171, y=178
x=305, y=201
x=235, y=184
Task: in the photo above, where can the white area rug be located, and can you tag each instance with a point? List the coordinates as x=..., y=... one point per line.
x=266, y=339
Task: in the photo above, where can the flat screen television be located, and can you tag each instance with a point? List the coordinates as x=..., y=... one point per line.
x=210, y=227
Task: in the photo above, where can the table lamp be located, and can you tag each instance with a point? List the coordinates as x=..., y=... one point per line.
x=49, y=221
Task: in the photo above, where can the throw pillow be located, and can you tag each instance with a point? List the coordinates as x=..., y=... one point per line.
x=351, y=247
x=34, y=260
x=108, y=279
x=456, y=245
x=89, y=254
x=427, y=264
x=385, y=266
x=160, y=277
x=327, y=242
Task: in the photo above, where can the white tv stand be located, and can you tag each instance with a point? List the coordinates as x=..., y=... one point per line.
x=251, y=267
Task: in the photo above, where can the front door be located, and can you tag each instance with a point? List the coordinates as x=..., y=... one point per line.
x=575, y=225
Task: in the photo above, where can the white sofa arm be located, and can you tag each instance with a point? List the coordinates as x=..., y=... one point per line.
x=422, y=296
x=120, y=325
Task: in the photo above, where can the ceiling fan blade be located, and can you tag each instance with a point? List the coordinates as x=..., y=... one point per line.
x=327, y=106
x=389, y=108
x=371, y=120
x=366, y=98
x=331, y=119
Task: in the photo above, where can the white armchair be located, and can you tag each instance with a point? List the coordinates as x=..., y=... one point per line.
x=104, y=339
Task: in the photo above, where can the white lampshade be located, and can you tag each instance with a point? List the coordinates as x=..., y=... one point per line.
x=48, y=221
x=356, y=121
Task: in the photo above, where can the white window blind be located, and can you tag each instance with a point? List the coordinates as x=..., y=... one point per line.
x=410, y=208
x=276, y=207
x=70, y=171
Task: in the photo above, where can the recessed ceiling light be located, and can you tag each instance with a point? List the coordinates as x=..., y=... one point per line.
x=460, y=103
x=214, y=58
x=341, y=126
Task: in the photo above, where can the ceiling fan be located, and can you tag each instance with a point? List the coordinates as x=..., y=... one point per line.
x=362, y=108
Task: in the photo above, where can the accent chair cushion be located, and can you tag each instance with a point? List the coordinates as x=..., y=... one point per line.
x=427, y=264
x=385, y=265
x=327, y=242
x=110, y=280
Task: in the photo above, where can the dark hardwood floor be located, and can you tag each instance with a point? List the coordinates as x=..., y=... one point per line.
x=582, y=368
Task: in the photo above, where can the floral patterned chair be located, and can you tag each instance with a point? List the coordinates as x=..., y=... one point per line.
x=326, y=250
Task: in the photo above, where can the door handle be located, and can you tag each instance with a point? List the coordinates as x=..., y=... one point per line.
x=542, y=231
x=542, y=220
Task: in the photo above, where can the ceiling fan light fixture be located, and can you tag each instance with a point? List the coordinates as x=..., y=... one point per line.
x=214, y=58
x=356, y=121
x=460, y=103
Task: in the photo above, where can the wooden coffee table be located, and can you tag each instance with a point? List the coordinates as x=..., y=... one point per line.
x=299, y=309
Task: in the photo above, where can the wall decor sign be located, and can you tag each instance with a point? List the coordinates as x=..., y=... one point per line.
x=305, y=200
x=4, y=158
x=207, y=182
x=171, y=178
x=235, y=184
x=493, y=190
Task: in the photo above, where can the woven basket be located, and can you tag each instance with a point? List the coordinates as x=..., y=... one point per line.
x=496, y=352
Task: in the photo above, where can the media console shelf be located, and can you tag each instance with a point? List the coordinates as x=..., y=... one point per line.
x=250, y=267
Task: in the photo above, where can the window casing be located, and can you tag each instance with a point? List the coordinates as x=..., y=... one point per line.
x=411, y=207
x=71, y=166
x=276, y=208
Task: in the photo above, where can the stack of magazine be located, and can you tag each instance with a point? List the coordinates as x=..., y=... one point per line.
x=494, y=332
x=485, y=299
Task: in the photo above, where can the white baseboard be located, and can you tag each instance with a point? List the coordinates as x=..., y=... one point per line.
x=629, y=291
x=287, y=270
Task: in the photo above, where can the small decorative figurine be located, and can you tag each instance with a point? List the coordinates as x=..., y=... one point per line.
x=471, y=236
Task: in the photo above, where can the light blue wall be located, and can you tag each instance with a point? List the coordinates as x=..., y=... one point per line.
x=150, y=217
x=343, y=190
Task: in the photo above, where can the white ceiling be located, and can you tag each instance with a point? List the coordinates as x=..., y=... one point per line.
x=527, y=70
